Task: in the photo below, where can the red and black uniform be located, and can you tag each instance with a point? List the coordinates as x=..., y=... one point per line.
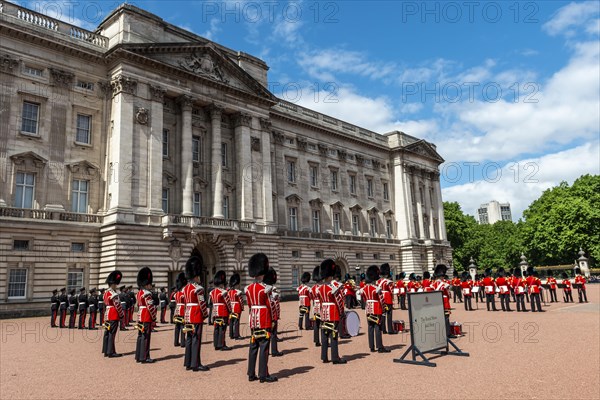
x=304, y=297
x=374, y=309
x=349, y=295
x=425, y=285
x=401, y=286
x=441, y=286
x=520, y=288
x=237, y=306
x=261, y=320
x=72, y=309
x=172, y=304
x=54, y=306
x=489, y=285
x=503, y=285
x=101, y=306
x=195, y=313
x=179, y=318
x=314, y=291
x=567, y=289
x=581, y=291
x=146, y=318
x=412, y=286
x=112, y=315
x=386, y=291
x=466, y=287
x=63, y=305
x=534, y=284
x=93, y=307
x=551, y=281
x=82, y=301
x=332, y=308
x=220, y=316
x=456, y=289
x=276, y=307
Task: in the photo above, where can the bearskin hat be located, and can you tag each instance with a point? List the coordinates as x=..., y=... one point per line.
x=93, y=290
x=181, y=281
x=578, y=271
x=72, y=292
x=501, y=271
x=440, y=270
x=82, y=289
x=373, y=273
x=549, y=273
x=258, y=265
x=305, y=278
x=402, y=275
x=426, y=275
x=316, y=274
x=55, y=291
x=487, y=272
x=412, y=277
x=63, y=289
x=517, y=271
x=363, y=276
x=530, y=270
x=220, y=278
x=270, y=277
x=144, y=277
x=455, y=274
x=385, y=270
x=114, y=278
x=193, y=267
x=327, y=268
x=564, y=275
x=234, y=279
x=464, y=276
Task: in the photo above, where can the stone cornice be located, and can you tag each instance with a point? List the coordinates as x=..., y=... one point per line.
x=123, y=84
x=242, y=119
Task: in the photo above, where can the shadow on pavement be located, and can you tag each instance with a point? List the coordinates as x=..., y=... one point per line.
x=169, y=357
x=356, y=356
x=286, y=373
x=296, y=350
x=222, y=363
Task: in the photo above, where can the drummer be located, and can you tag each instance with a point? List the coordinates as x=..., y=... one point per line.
x=373, y=296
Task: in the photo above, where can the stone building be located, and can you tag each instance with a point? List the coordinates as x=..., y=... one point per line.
x=492, y=212
x=141, y=143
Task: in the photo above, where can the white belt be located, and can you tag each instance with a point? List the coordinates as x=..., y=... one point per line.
x=123, y=302
x=109, y=306
x=63, y=302
x=329, y=304
x=82, y=302
x=372, y=301
x=258, y=307
x=218, y=304
x=181, y=304
x=140, y=307
x=191, y=304
x=303, y=296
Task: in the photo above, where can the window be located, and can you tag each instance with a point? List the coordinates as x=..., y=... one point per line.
x=352, y=184
x=336, y=223
x=358, y=256
x=24, y=190
x=165, y=200
x=226, y=207
x=314, y=176
x=386, y=191
x=293, y=212
x=30, y=118
x=373, y=226
x=74, y=279
x=294, y=276
x=79, y=200
x=84, y=125
x=85, y=85
x=21, y=245
x=375, y=256
x=392, y=256
x=197, y=204
x=224, y=154
x=316, y=221
x=334, y=180
x=196, y=149
x=318, y=254
x=388, y=228
x=291, y=171
x=355, y=225
x=165, y=143
x=295, y=254
x=17, y=283
x=32, y=71
x=369, y=187
x=290, y=141
x=77, y=247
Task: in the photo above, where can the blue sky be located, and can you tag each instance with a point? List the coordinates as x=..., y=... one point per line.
x=508, y=91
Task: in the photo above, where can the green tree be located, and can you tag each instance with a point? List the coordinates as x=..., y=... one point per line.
x=459, y=229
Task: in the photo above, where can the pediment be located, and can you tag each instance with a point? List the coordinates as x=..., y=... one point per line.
x=36, y=159
x=293, y=199
x=203, y=61
x=82, y=166
x=355, y=207
x=424, y=149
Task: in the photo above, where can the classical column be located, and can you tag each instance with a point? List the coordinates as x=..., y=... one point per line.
x=187, y=170
x=122, y=169
x=215, y=160
x=440, y=206
x=155, y=164
x=243, y=123
x=419, y=205
x=410, y=211
x=432, y=213
x=267, y=183
x=402, y=203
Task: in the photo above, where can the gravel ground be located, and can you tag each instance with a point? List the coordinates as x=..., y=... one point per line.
x=552, y=355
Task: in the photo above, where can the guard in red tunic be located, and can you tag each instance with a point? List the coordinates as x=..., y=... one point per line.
x=551, y=281
x=503, y=285
x=332, y=307
x=304, y=301
x=534, y=283
x=401, y=286
x=440, y=285
x=456, y=287
x=426, y=282
x=489, y=285
x=412, y=286
x=179, y=314
x=567, y=288
x=93, y=302
x=237, y=306
x=113, y=314
x=221, y=310
x=466, y=286
x=146, y=316
x=386, y=286
x=581, y=281
x=520, y=288
x=195, y=313
x=261, y=319
x=54, y=305
x=270, y=279
x=374, y=309
x=316, y=277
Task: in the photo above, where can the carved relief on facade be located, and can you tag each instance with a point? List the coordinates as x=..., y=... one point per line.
x=323, y=150
x=203, y=65
x=242, y=119
x=302, y=144
x=265, y=124
x=7, y=63
x=157, y=93
x=142, y=116
x=255, y=143
x=123, y=84
x=279, y=137
x=61, y=78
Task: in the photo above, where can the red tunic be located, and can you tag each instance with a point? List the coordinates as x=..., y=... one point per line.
x=489, y=285
x=221, y=303
x=467, y=287
x=112, y=304
x=426, y=285
x=275, y=304
x=552, y=282
x=401, y=286
x=412, y=286
x=349, y=290
x=534, y=284
x=146, y=307
x=304, y=296
x=180, y=306
x=332, y=305
x=520, y=285
x=442, y=286
x=567, y=284
x=195, y=305
x=503, y=285
x=237, y=303
x=581, y=280
x=261, y=313
x=386, y=290
x=374, y=298
x=316, y=301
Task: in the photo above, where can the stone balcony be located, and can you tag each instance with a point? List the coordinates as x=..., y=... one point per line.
x=173, y=220
x=47, y=215
x=333, y=236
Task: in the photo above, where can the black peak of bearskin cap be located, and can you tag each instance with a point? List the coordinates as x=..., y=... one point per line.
x=327, y=268
x=234, y=279
x=144, y=277
x=305, y=278
x=114, y=278
x=270, y=277
x=373, y=273
x=426, y=275
x=385, y=270
x=193, y=267
x=316, y=274
x=220, y=278
x=440, y=270
x=181, y=281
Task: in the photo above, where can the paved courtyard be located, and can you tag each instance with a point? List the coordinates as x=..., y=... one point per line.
x=552, y=355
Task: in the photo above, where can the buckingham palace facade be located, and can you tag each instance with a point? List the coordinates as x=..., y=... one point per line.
x=141, y=143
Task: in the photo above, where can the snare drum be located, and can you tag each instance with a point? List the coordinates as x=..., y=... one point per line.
x=352, y=321
x=398, y=326
x=456, y=329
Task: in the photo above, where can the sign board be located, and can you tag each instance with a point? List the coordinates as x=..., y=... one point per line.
x=428, y=325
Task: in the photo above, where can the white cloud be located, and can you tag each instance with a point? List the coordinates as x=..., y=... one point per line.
x=569, y=18
x=211, y=33
x=523, y=181
x=326, y=63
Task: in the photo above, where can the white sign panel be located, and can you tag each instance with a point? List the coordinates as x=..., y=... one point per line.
x=428, y=326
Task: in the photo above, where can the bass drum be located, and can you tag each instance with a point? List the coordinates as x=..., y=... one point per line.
x=352, y=321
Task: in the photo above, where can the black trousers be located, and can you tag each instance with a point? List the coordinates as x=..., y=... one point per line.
x=457, y=295
x=387, y=323
x=329, y=338
x=468, y=304
x=490, y=299
x=480, y=294
x=535, y=301
x=259, y=349
x=220, y=324
x=72, y=318
x=505, y=301
x=53, y=316
x=350, y=302
x=163, y=313
x=512, y=293
x=306, y=317
x=521, y=302
x=274, y=337
x=179, y=337
x=234, y=327
x=193, y=343
x=581, y=293
x=101, y=312
x=92, y=321
x=375, y=336
x=171, y=314
x=553, y=296
x=448, y=328
x=142, y=347
x=108, y=341
x=317, y=332
x=568, y=296
x=82, y=315
x=402, y=302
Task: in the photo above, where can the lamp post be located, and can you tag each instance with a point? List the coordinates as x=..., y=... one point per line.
x=523, y=264
x=472, y=268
